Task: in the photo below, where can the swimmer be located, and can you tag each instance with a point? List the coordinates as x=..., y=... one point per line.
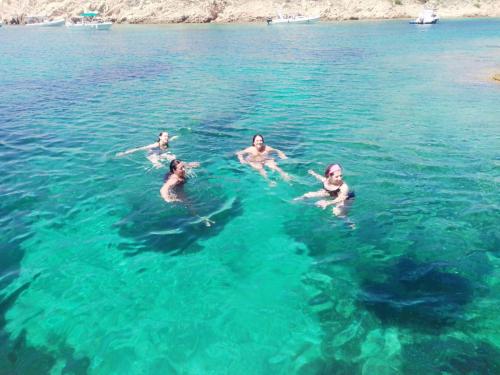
x=333, y=187
x=258, y=157
x=176, y=177
x=157, y=151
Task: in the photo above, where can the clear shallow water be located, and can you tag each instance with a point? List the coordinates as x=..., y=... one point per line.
x=99, y=276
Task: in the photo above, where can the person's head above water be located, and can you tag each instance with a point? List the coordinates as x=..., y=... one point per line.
x=334, y=170
x=163, y=138
x=258, y=140
x=177, y=167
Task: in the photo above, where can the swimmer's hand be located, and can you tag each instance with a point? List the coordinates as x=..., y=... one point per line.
x=322, y=204
x=315, y=175
x=121, y=154
x=193, y=164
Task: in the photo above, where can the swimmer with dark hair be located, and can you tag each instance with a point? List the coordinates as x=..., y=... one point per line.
x=157, y=152
x=335, y=188
x=175, y=178
x=258, y=157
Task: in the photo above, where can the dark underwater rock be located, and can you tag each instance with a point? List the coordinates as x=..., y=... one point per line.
x=417, y=295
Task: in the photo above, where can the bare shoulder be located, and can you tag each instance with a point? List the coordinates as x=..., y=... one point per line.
x=171, y=180
x=245, y=150
x=344, y=188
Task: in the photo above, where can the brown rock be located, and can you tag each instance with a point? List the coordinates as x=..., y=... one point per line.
x=496, y=77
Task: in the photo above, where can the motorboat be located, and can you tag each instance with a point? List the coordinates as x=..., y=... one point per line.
x=89, y=20
x=292, y=19
x=43, y=21
x=428, y=16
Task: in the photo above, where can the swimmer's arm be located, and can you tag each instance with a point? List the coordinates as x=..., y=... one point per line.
x=241, y=154
x=172, y=138
x=165, y=191
x=343, y=195
x=132, y=150
x=280, y=153
x=193, y=164
x=315, y=175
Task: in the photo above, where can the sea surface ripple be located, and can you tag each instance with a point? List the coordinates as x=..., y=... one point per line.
x=99, y=276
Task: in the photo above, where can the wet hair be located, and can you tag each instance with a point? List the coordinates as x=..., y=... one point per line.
x=173, y=165
x=331, y=168
x=255, y=136
x=159, y=136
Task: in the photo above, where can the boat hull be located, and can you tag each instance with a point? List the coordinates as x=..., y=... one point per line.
x=90, y=26
x=424, y=22
x=54, y=23
x=294, y=20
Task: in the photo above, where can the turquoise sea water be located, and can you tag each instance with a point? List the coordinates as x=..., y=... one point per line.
x=99, y=276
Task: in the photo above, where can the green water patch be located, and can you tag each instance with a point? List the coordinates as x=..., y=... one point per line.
x=153, y=313
x=352, y=340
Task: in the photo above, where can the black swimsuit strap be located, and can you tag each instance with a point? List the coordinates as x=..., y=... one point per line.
x=331, y=191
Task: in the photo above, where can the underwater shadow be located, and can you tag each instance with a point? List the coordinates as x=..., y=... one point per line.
x=450, y=356
x=177, y=229
x=417, y=295
x=17, y=357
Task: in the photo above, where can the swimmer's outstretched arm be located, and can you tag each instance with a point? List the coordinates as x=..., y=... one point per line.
x=313, y=194
x=241, y=155
x=280, y=153
x=317, y=176
x=193, y=164
x=132, y=150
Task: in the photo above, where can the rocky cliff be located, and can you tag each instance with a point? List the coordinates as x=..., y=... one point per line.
x=175, y=11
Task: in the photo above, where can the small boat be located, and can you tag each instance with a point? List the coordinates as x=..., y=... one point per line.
x=428, y=16
x=89, y=20
x=43, y=21
x=292, y=19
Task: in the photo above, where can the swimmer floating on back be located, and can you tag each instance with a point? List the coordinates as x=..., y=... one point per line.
x=333, y=187
x=157, y=151
x=258, y=157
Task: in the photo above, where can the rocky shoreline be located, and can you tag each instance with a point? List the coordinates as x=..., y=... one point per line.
x=243, y=11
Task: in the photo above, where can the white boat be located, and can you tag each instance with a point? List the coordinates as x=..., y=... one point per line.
x=292, y=19
x=43, y=21
x=89, y=20
x=428, y=16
